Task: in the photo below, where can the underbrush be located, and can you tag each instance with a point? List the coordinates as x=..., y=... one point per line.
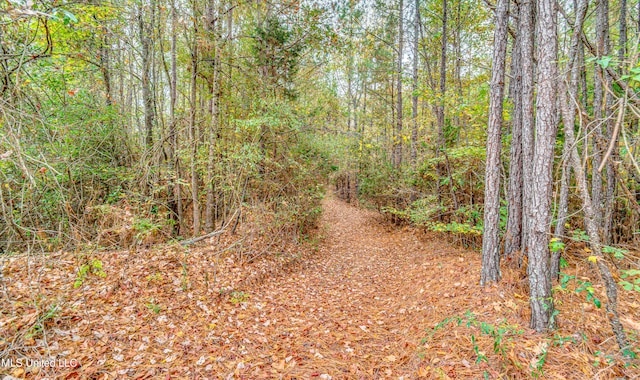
x=443, y=194
x=493, y=340
x=84, y=181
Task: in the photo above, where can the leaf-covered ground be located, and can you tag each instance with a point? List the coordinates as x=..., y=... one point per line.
x=368, y=301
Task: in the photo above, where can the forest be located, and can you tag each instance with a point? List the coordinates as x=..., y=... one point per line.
x=319, y=189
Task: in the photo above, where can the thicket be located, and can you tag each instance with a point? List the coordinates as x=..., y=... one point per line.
x=106, y=145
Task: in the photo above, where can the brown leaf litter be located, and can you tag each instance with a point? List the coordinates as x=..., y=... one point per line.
x=362, y=304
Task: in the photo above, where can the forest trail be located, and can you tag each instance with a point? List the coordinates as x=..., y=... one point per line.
x=357, y=308
x=362, y=305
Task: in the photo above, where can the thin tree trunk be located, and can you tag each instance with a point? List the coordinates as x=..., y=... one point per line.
x=602, y=44
x=397, y=137
x=611, y=174
x=622, y=29
x=563, y=205
x=568, y=106
x=596, y=246
x=443, y=82
x=442, y=141
x=541, y=298
x=513, y=232
x=147, y=94
x=175, y=201
x=105, y=68
x=491, y=238
x=215, y=121
x=565, y=179
x=414, y=95
x=193, y=132
x=349, y=91
x=526, y=31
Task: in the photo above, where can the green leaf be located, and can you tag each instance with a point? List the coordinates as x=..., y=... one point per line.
x=67, y=17
x=626, y=285
x=604, y=61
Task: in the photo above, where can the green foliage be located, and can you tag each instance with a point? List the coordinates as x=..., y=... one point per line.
x=276, y=52
x=239, y=297
x=156, y=277
x=582, y=286
x=37, y=328
x=455, y=227
x=153, y=306
x=633, y=77
x=631, y=279
x=556, y=245
x=93, y=267
x=537, y=364
x=580, y=235
x=618, y=253
x=145, y=227
x=500, y=334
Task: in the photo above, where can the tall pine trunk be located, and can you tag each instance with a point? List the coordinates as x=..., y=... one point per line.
x=538, y=270
x=526, y=31
x=513, y=232
x=193, y=131
x=491, y=238
x=414, y=95
x=397, y=136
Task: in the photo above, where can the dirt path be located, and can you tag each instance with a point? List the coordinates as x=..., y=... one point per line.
x=360, y=307
x=356, y=309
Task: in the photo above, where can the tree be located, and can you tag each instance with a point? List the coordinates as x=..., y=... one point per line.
x=541, y=301
x=414, y=96
x=146, y=43
x=513, y=231
x=491, y=238
x=397, y=136
x=568, y=96
x=194, y=137
x=527, y=36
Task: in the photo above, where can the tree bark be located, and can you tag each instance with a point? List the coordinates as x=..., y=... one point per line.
x=147, y=94
x=568, y=109
x=491, y=238
x=563, y=205
x=215, y=120
x=622, y=29
x=397, y=138
x=193, y=131
x=541, y=299
x=442, y=141
x=602, y=48
x=414, y=95
x=105, y=67
x=175, y=201
x=526, y=31
x=513, y=232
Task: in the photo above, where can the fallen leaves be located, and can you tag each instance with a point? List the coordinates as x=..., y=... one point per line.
x=356, y=309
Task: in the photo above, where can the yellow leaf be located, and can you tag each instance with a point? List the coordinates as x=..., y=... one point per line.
x=593, y=259
x=422, y=371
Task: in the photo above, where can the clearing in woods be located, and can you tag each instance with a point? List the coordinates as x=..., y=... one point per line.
x=360, y=307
